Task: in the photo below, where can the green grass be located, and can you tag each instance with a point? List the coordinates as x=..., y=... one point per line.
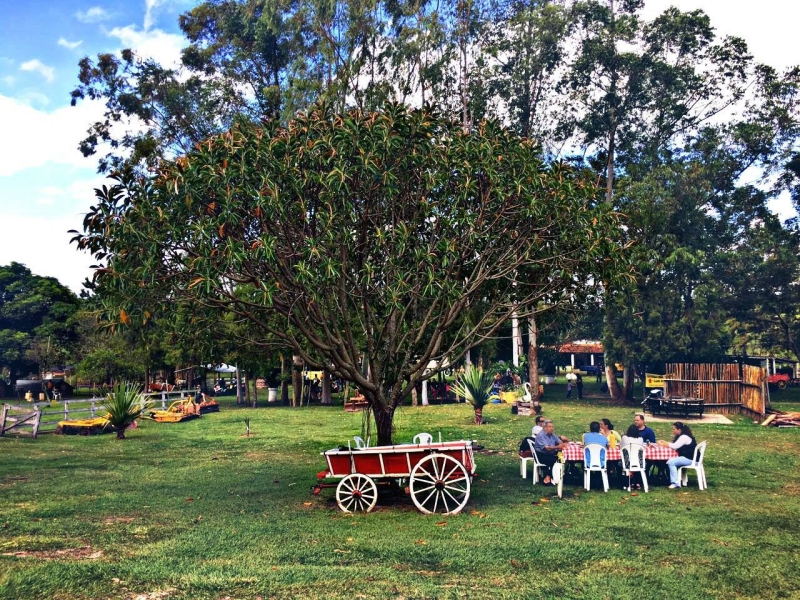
x=197, y=510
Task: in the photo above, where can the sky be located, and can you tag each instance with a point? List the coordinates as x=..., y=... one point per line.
x=46, y=185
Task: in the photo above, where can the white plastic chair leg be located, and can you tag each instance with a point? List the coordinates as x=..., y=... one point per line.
x=605, y=480
x=587, y=474
x=644, y=482
x=523, y=468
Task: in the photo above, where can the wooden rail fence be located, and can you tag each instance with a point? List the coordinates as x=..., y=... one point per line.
x=724, y=388
x=49, y=414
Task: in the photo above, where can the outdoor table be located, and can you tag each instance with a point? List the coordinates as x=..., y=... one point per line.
x=573, y=452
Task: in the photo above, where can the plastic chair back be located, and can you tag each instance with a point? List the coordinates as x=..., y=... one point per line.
x=699, y=453
x=633, y=457
x=594, y=457
x=360, y=443
x=422, y=438
x=526, y=397
x=534, y=456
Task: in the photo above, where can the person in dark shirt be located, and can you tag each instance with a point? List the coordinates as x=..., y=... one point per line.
x=647, y=434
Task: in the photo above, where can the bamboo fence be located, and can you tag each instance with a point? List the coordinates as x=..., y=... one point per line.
x=724, y=388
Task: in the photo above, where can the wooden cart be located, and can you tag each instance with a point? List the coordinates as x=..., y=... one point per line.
x=439, y=475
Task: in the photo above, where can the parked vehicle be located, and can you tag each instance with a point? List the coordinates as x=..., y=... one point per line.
x=779, y=380
x=55, y=385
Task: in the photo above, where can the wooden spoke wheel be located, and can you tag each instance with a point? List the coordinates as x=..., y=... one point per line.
x=439, y=484
x=356, y=493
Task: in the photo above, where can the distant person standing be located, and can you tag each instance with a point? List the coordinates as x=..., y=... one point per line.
x=579, y=385
x=597, y=373
x=569, y=388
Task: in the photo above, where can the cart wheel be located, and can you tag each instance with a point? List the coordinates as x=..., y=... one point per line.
x=439, y=483
x=356, y=493
x=781, y=385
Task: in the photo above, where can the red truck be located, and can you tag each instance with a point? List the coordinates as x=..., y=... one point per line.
x=780, y=380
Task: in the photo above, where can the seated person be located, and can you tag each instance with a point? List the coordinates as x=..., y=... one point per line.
x=537, y=427
x=607, y=429
x=547, y=445
x=524, y=449
x=633, y=436
x=594, y=436
x=684, y=444
x=647, y=434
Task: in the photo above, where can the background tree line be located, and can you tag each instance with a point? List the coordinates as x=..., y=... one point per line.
x=689, y=137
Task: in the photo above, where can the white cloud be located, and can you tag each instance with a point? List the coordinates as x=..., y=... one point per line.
x=155, y=43
x=78, y=192
x=65, y=43
x=93, y=15
x=42, y=137
x=38, y=66
x=50, y=253
x=32, y=97
x=148, y=15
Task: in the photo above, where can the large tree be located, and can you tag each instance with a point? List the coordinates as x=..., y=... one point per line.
x=36, y=324
x=368, y=234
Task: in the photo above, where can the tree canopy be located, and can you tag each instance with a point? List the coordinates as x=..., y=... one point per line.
x=36, y=325
x=367, y=234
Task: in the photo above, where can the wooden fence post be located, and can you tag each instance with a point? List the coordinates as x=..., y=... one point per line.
x=36, y=421
x=3, y=419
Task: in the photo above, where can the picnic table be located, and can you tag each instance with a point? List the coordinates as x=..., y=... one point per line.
x=573, y=452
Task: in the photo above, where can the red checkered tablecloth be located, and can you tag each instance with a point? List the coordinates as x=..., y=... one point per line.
x=574, y=452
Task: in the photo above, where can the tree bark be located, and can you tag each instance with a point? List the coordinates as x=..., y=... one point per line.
x=297, y=381
x=284, y=381
x=479, y=416
x=533, y=358
x=326, y=389
x=613, y=386
x=627, y=383
x=383, y=423
x=247, y=390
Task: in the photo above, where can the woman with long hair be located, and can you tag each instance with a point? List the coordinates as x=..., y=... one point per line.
x=684, y=443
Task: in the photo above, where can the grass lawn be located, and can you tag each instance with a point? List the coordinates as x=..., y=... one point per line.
x=197, y=510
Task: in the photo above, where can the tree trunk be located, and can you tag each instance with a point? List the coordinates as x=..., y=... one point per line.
x=284, y=381
x=533, y=358
x=239, y=395
x=479, y=416
x=120, y=433
x=247, y=390
x=627, y=383
x=414, y=398
x=383, y=423
x=297, y=381
x=326, y=389
x=613, y=386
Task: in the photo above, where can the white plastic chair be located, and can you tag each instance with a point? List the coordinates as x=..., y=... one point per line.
x=633, y=461
x=594, y=459
x=526, y=397
x=697, y=465
x=536, y=464
x=360, y=443
x=422, y=438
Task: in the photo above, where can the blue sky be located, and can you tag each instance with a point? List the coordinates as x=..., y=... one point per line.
x=46, y=185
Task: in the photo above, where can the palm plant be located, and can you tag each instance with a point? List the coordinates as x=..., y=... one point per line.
x=124, y=405
x=475, y=385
